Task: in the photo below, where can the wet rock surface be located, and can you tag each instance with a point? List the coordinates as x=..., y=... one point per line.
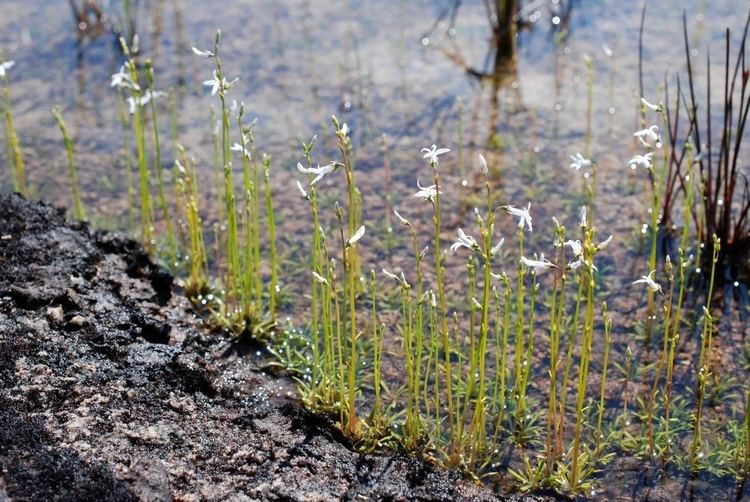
x=112, y=389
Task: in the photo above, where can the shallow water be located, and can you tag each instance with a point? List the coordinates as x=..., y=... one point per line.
x=397, y=68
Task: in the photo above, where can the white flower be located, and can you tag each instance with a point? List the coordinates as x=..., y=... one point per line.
x=149, y=95
x=301, y=190
x=584, y=219
x=579, y=161
x=648, y=136
x=464, y=240
x=391, y=275
x=427, y=193
x=5, y=66
x=497, y=247
x=319, y=171
x=122, y=79
x=240, y=148
x=575, y=246
x=641, y=160
x=433, y=152
x=203, y=54
x=356, y=237
x=403, y=220
x=538, y=266
x=648, y=280
x=143, y=100
x=605, y=243
x=524, y=217
x=483, y=165
x=219, y=84
x=320, y=278
x=344, y=131
x=650, y=106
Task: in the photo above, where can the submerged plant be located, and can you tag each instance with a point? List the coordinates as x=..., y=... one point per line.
x=80, y=214
x=16, y=163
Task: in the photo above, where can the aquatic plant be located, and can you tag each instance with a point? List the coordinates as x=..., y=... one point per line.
x=16, y=163
x=80, y=214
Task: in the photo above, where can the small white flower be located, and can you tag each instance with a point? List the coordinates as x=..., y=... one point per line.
x=464, y=240
x=219, y=84
x=203, y=54
x=579, y=161
x=214, y=83
x=131, y=104
x=648, y=280
x=149, y=95
x=240, y=148
x=575, y=265
x=538, y=266
x=5, y=66
x=483, y=165
x=344, y=129
x=319, y=171
x=523, y=214
x=584, y=222
x=497, y=247
x=427, y=193
x=143, y=100
x=641, y=160
x=605, y=243
x=648, y=136
x=433, y=153
x=575, y=246
x=356, y=237
x=301, y=190
x=122, y=80
x=320, y=278
x=403, y=220
x=391, y=275
x=650, y=106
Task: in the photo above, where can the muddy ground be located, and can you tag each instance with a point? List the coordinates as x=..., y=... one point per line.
x=112, y=389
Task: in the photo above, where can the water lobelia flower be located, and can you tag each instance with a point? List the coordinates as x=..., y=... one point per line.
x=523, y=214
x=143, y=100
x=5, y=66
x=219, y=84
x=648, y=280
x=584, y=222
x=356, y=237
x=575, y=246
x=497, y=247
x=122, y=80
x=427, y=193
x=302, y=190
x=483, y=165
x=236, y=147
x=605, y=243
x=403, y=220
x=466, y=241
x=641, y=160
x=648, y=136
x=650, y=106
x=433, y=153
x=320, y=278
x=579, y=161
x=203, y=54
x=319, y=171
x=538, y=266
